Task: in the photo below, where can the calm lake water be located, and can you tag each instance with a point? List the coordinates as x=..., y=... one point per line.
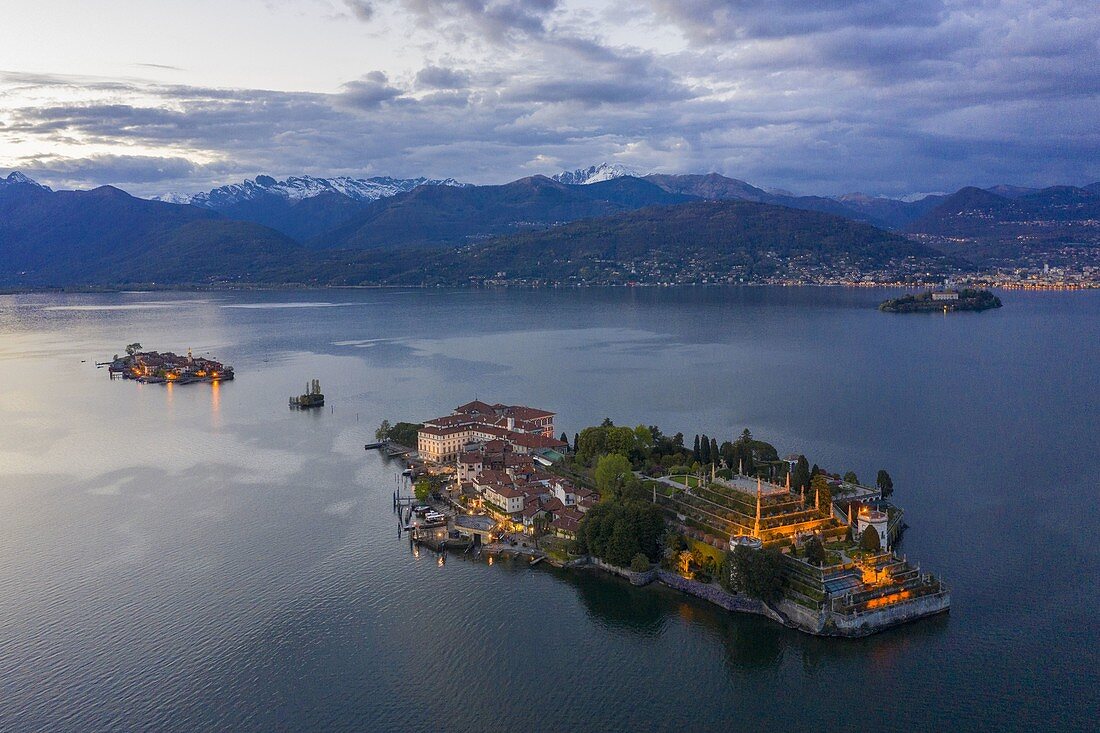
x=201, y=558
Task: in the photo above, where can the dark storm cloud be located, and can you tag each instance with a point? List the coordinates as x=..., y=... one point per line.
x=817, y=97
x=496, y=19
x=717, y=21
x=370, y=91
x=607, y=91
x=361, y=9
x=118, y=170
x=436, y=77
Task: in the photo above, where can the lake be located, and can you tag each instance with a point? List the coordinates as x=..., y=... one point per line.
x=200, y=557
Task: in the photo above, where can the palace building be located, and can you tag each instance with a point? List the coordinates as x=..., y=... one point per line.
x=526, y=430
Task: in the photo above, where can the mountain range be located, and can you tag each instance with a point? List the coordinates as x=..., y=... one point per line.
x=305, y=229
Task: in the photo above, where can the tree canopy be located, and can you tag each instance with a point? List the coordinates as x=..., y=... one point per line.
x=615, y=477
x=884, y=483
x=869, y=540
x=758, y=573
x=815, y=551
x=616, y=531
x=402, y=433
x=800, y=479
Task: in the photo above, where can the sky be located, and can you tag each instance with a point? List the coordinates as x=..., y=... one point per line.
x=891, y=97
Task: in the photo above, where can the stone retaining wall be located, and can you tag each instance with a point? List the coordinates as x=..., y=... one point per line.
x=789, y=614
x=900, y=613
x=719, y=597
x=635, y=578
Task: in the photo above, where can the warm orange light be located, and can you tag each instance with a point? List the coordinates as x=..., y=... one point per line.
x=888, y=600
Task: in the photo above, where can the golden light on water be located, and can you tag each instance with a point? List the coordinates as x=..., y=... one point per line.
x=216, y=403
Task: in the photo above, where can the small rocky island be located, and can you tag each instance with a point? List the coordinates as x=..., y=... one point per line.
x=935, y=301
x=152, y=367
x=312, y=397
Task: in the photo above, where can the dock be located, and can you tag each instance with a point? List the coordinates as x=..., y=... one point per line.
x=393, y=450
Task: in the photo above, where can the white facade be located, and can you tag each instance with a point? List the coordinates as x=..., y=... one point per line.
x=878, y=520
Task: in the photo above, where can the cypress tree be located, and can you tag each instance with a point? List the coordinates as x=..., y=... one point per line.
x=695, y=451
x=576, y=441
x=714, y=454
x=704, y=449
x=800, y=479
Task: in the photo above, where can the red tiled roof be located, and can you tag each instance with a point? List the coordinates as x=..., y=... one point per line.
x=521, y=412
x=529, y=440
x=477, y=406
x=507, y=491
x=553, y=505
x=566, y=523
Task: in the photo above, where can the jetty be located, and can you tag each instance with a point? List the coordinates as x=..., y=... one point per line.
x=390, y=448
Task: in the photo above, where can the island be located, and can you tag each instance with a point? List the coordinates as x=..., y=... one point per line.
x=730, y=522
x=152, y=367
x=935, y=301
x=312, y=397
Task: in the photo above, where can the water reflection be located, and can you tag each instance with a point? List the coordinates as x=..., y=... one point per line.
x=215, y=405
x=752, y=642
x=166, y=575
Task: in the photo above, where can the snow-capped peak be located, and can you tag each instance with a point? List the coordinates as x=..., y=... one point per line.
x=17, y=177
x=296, y=188
x=595, y=174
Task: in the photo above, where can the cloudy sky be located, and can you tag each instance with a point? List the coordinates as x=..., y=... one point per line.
x=816, y=96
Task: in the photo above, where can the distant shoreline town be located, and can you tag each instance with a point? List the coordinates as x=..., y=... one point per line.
x=732, y=523
x=609, y=228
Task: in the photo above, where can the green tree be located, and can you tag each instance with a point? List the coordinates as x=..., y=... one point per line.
x=383, y=431
x=758, y=573
x=704, y=449
x=815, y=551
x=564, y=438
x=640, y=563
x=715, y=456
x=404, y=433
x=800, y=479
x=728, y=454
x=851, y=477
x=616, y=531
x=422, y=489
x=576, y=441
x=884, y=483
x=869, y=539
x=133, y=348
x=613, y=475
x=622, y=545
x=695, y=454
x=820, y=486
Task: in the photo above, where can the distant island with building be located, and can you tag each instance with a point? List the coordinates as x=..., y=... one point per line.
x=945, y=300
x=152, y=367
x=731, y=522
